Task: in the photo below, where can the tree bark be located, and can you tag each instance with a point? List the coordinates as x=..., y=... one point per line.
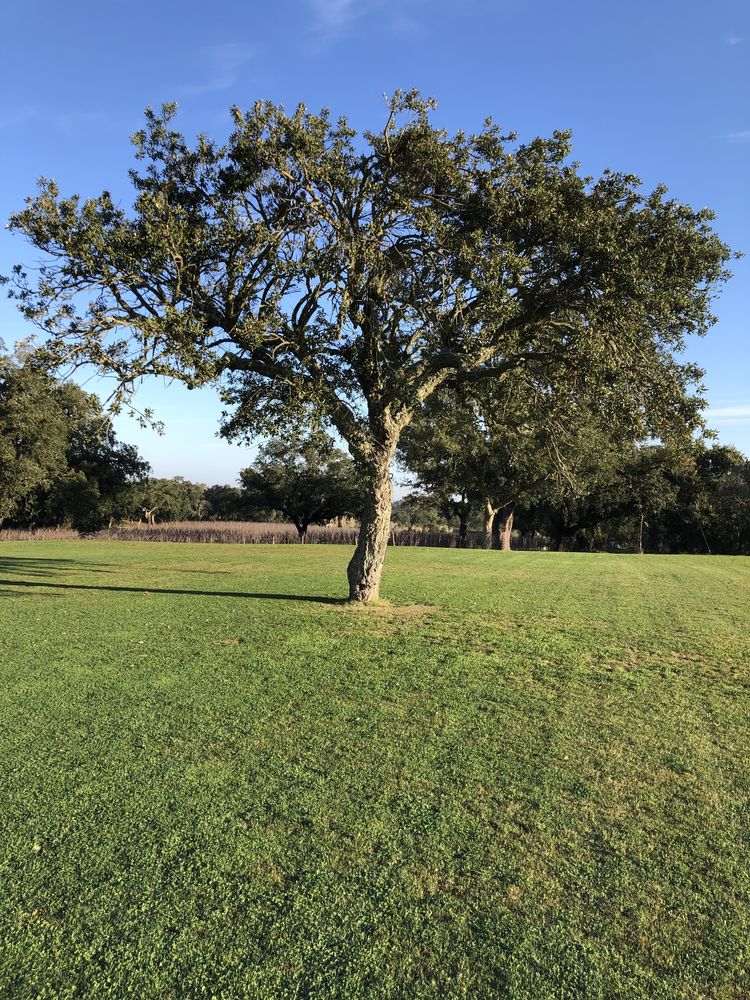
x=489, y=519
x=366, y=565
x=503, y=526
x=563, y=542
x=463, y=523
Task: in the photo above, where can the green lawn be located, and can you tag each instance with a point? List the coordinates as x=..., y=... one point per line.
x=525, y=777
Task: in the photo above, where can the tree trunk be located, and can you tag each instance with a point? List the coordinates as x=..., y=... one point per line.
x=503, y=526
x=366, y=566
x=640, y=537
x=463, y=523
x=563, y=542
x=301, y=531
x=489, y=518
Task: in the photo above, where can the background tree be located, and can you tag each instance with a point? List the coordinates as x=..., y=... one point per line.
x=722, y=510
x=312, y=272
x=648, y=481
x=420, y=510
x=100, y=487
x=486, y=447
x=711, y=512
x=175, y=499
x=308, y=481
x=60, y=461
x=33, y=433
x=224, y=503
x=588, y=487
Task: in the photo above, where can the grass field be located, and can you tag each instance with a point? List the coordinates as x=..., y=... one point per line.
x=527, y=776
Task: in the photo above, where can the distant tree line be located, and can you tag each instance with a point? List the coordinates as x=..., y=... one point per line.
x=543, y=467
x=655, y=500
x=542, y=462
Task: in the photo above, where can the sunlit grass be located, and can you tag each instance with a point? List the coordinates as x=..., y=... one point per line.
x=523, y=775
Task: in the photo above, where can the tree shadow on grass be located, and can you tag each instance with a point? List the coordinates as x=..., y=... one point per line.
x=47, y=567
x=40, y=567
x=309, y=598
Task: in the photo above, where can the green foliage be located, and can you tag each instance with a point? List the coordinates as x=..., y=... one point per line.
x=598, y=483
x=103, y=481
x=421, y=510
x=306, y=480
x=711, y=509
x=33, y=433
x=488, y=442
x=175, y=499
x=60, y=461
x=684, y=497
x=526, y=777
x=224, y=503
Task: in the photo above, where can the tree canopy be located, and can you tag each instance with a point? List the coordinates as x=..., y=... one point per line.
x=313, y=272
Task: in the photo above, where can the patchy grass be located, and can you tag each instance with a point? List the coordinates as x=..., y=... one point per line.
x=526, y=776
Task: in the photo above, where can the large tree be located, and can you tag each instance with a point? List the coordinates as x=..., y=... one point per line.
x=313, y=271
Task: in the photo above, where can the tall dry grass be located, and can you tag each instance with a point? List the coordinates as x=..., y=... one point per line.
x=262, y=533
x=268, y=533
x=38, y=535
x=244, y=532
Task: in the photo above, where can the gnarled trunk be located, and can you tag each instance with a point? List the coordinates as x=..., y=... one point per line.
x=463, y=526
x=564, y=541
x=502, y=526
x=366, y=565
x=489, y=520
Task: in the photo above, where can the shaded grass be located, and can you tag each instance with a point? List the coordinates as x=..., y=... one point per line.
x=526, y=776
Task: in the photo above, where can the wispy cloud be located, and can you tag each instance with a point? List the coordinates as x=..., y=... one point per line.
x=739, y=136
x=17, y=116
x=224, y=63
x=334, y=15
x=739, y=414
x=334, y=18
x=735, y=40
x=72, y=122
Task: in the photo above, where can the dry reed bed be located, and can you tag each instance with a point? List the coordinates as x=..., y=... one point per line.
x=268, y=533
x=39, y=535
x=259, y=533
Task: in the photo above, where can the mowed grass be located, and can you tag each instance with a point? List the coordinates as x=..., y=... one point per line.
x=526, y=776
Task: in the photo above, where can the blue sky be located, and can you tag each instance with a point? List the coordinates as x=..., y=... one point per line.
x=659, y=88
